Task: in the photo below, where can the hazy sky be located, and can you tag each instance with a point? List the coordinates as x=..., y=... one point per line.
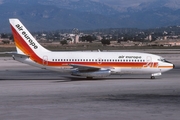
x=116, y=2
x=124, y=2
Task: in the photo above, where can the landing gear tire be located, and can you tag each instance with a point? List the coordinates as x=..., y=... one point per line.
x=152, y=77
x=89, y=78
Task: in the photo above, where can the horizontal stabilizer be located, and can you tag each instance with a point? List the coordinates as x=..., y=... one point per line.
x=17, y=54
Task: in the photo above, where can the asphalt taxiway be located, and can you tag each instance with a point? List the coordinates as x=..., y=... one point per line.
x=29, y=93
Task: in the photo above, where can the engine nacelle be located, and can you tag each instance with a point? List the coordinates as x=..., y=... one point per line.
x=100, y=73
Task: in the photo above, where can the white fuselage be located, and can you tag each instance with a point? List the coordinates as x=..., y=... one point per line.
x=116, y=62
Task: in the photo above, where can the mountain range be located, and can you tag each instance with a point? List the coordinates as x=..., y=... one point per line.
x=45, y=15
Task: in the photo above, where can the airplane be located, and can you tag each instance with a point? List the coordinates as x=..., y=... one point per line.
x=85, y=64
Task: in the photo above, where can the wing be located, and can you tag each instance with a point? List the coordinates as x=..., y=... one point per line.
x=83, y=68
x=86, y=68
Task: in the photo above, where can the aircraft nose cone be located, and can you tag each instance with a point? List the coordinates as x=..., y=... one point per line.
x=173, y=66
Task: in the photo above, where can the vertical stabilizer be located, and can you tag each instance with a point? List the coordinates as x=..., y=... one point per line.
x=24, y=41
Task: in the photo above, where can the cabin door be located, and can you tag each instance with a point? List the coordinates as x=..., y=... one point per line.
x=149, y=61
x=45, y=60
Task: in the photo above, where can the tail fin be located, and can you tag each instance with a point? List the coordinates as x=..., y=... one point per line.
x=24, y=41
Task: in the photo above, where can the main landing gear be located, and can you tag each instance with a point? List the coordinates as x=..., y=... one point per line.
x=89, y=78
x=152, y=77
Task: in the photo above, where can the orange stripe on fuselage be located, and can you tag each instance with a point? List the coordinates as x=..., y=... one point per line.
x=166, y=67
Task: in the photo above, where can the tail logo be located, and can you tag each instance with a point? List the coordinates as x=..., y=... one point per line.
x=20, y=28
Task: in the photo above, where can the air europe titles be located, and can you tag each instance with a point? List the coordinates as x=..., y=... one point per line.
x=20, y=28
x=130, y=57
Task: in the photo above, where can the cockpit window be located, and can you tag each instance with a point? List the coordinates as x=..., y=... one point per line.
x=163, y=60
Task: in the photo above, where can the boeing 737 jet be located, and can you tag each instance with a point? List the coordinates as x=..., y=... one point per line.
x=86, y=64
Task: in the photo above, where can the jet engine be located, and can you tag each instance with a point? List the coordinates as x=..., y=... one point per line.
x=99, y=73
